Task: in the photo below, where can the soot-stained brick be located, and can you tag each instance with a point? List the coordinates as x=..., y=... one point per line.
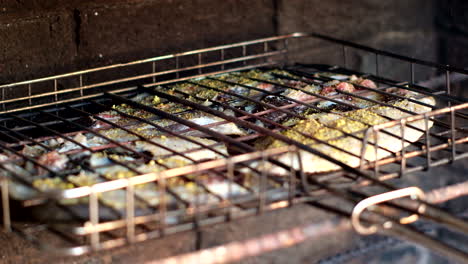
x=129, y=31
x=34, y=47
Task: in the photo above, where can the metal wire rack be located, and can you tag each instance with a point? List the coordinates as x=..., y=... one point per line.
x=62, y=107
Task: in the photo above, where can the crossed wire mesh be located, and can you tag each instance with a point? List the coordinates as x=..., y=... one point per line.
x=139, y=219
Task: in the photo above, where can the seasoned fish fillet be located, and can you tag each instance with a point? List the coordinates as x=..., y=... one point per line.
x=147, y=193
x=204, y=119
x=319, y=127
x=197, y=117
x=200, y=118
x=110, y=162
x=190, y=149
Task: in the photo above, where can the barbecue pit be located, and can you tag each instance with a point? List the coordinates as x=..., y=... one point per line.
x=55, y=107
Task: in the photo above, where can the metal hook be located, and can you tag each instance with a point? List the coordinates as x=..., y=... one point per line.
x=413, y=192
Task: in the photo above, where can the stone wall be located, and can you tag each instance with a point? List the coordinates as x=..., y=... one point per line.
x=40, y=38
x=404, y=27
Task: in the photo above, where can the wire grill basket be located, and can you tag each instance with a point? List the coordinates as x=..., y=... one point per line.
x=112, y=212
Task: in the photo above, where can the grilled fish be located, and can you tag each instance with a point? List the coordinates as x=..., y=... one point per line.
x=190, y=149
x=329, y=128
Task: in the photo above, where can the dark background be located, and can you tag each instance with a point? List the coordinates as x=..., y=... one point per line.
x=44, y=37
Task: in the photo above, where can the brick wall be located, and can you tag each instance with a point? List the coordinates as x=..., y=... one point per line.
x=44, y=37
x=39, y=38
x=404, y=27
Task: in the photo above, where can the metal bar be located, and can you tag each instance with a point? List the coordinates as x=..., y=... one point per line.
x=388, y=54
x=179, y=135
x=380, y=102
x=73, y=161
x=29, y=94
x=178, y=119
x=429, y=242
x=292, y=176
x=94, y=219
x=423, y=208
x=175, y=99
x=162, y=187
x=428, y=142
x=383, y=103
x=177, y=66
x=24, y=157
x=261, y=187
x=81, y=85
x=230, y=175
x=244, y=53
x=165, y=57
x=434, y=163
x=447, y=84
x=376, y=141
x=3, y=98
x=327, y=99
x=266, y=120
x=185, y=122
x=123, y=90
x=207, y=74
x=27, y=183
x=146, y=139
x=403, y=159
x=405, y=231
x=222, y=58
x=79, y=250
x=234, y=120
x=171, y=150
x=5, y=204
x=380, y=91
x=392, y=227
x=130, y=212
x=209, y=110
x=143, y=76
x=258, y=102
x=55, y=90
x=199, y=63
x=447, y=193
x=141, y=154
x=163, y=129
x=403, y=156
x=236, y=251
x=151, y=177
x=153, y=68
x=452, y=133
x=407, y=86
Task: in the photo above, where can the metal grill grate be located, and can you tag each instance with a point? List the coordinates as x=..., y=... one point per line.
x=114, y=210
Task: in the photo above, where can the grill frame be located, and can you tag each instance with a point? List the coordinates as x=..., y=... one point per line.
x=279, y=56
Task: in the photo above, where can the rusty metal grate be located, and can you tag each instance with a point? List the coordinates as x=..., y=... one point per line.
x=37, y=116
